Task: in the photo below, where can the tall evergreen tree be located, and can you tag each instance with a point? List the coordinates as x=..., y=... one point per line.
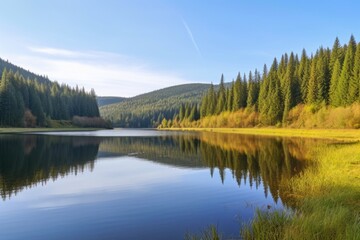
x=346, y=73
x=312, y=91
x=251, y=91
x=334, y=82
x=221, y=103
x=237, y=91
x=354, y=83
x=291, y=87
x=211, y=101
x=303, y=74
x=230, y=96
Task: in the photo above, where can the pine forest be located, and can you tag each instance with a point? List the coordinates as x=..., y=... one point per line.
x=316, y=90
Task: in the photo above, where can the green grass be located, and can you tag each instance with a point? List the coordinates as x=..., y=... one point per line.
x=326, y=197
x=209, y=233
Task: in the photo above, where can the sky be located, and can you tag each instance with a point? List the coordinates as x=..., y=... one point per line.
x=125, y=48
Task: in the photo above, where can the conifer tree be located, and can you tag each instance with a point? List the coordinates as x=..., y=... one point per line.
x=211, y=101
x=346, y=72
x=303, y=75
x=354, y=84
x=181, y=113
x=264, y=90
x=334, y=98
x=291, y=87
x=230, y=98
x=252, y=90
x=204, y=105
x=221, y=103
x=336, y=53
x=312, y=91
x=237, y=92
x=322, y=77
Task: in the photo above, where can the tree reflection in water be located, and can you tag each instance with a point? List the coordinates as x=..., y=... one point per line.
x=27, y=160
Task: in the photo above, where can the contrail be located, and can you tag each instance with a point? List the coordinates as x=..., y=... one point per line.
x=191, y=36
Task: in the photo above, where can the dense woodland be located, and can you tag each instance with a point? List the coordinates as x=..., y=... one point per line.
x=305, y=91
x=29, y=100
x=148, y=110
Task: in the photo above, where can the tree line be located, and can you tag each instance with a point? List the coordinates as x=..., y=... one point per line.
x=26, y=102
x=330, y=78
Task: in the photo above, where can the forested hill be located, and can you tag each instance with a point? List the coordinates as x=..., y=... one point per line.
x=29, y=100
x=147, y=110
x=25, y=73
x=102, y=101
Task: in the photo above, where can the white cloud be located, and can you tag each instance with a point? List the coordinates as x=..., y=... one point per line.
x=108, y=73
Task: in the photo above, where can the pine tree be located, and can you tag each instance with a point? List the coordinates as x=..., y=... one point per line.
x=334, y=99
x=322, y=77
x=264, y=90
x=291, y=88
x=312, y=90
x=230, y=98
x=346, y=73
x=354, y=84
x=221, y=103
x=303, y=74
x=211, y=101
x=181, y=112
x=252, y=90
x=336, y=53
x=243, y=92
x=237, y=92
x=204, y=106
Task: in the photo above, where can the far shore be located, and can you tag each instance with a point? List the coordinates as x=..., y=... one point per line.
x=33, y=130
x=349, y=135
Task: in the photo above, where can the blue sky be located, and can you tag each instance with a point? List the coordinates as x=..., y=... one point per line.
x=124, y=48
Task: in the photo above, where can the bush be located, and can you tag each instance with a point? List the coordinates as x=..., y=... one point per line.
x=91, y=122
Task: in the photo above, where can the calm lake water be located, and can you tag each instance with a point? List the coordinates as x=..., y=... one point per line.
x=139, y=184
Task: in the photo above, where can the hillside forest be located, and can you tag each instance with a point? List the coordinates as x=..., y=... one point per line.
x=148, y=110
x=30, y=100
x=320, y=90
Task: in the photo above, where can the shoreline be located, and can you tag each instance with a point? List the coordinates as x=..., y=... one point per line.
x=347, y=135
x=35, y=130
x=326, y=195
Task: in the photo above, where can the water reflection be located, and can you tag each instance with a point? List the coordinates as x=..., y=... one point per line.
x=27, y=160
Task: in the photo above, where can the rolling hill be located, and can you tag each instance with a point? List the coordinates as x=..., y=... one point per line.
x=102, y=101
x=147, y=110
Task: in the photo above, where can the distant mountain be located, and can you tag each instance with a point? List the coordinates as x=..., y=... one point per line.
x=147, y=110
x=102, y=101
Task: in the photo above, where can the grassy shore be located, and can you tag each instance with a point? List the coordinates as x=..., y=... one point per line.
x=327, y=196
x=30, y=130
x=348, y=135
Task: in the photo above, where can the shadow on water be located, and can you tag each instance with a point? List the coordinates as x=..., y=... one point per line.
x=28, y=160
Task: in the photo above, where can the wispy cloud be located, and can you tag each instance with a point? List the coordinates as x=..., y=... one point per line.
x=191, y=36
x=56, y=52
x=109, y=74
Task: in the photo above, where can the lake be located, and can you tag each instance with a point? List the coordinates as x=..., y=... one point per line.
x=140, y=184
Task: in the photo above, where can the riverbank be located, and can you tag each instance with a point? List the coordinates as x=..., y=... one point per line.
x=350, y=135
x=31, y=130
x=326, y=196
